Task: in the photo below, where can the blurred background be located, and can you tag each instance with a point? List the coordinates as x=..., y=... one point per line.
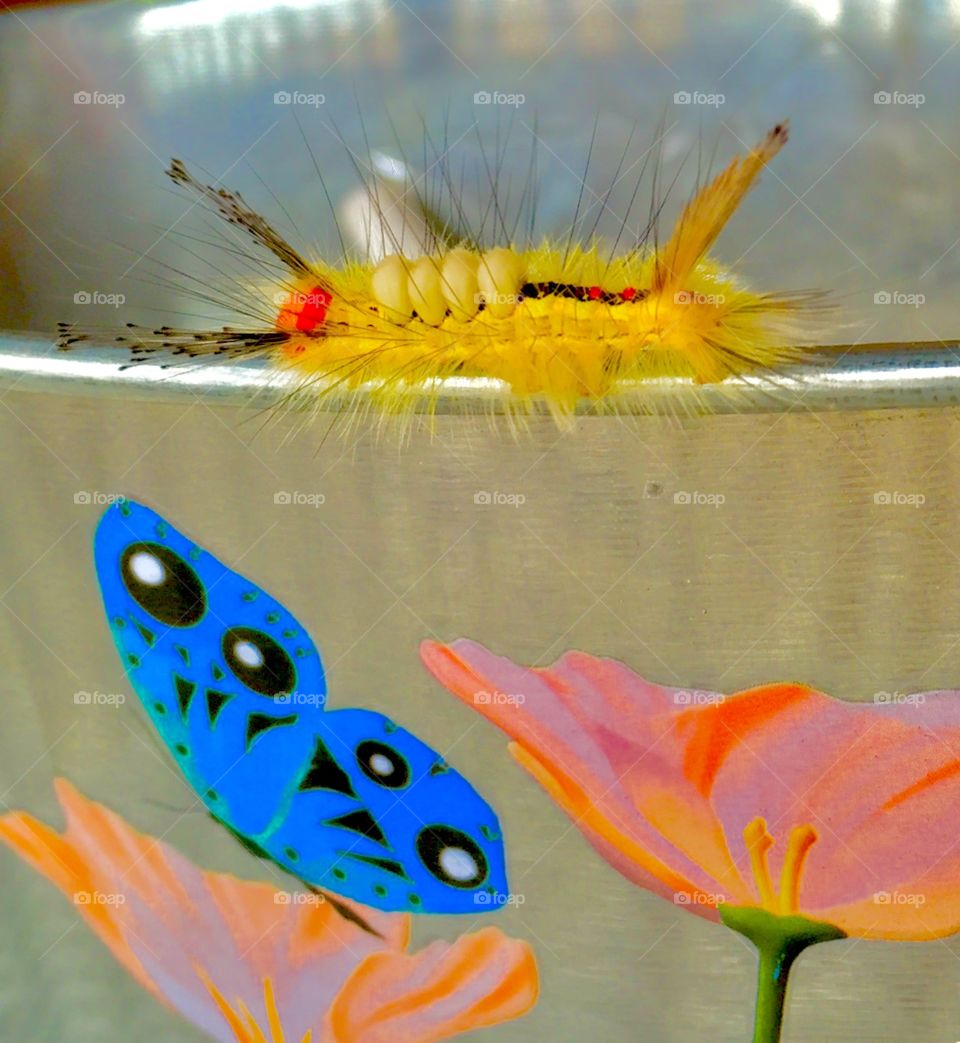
x=98, y=98
x=800, y=575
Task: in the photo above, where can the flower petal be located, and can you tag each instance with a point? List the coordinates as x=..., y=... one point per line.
x=877, y=787
x=663, y=783
x=482, y=979
x=602, y=741
x=162, y=918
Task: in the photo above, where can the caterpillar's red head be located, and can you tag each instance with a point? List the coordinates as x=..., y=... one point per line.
x=302, y=310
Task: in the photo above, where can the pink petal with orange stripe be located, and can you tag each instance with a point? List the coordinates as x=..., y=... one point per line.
x=675, y=788
x=245, y=961
x=480, y=980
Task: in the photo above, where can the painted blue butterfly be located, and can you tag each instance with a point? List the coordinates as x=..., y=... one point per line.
x=345, y=800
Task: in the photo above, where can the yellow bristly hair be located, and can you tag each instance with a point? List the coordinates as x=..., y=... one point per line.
x=690, y=318
x=533, y=325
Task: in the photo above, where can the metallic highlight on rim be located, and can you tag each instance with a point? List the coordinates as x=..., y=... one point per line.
x=859, y=376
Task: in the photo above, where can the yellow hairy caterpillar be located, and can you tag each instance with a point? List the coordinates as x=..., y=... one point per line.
x=542, y=324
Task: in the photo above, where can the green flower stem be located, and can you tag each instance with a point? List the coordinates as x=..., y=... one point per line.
x=779, y=941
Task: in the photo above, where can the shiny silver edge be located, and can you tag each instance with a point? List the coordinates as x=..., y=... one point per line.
x=875, y=376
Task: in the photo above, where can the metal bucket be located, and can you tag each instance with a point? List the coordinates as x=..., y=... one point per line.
x=808, y=536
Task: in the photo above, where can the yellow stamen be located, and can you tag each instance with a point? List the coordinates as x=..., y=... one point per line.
x=759, y=841
x=234, y=1016
x=273, y=1017
x=801, y=840
x=255, y=1032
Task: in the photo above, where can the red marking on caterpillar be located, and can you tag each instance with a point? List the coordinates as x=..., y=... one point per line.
x=316, y=303
x=302, y=312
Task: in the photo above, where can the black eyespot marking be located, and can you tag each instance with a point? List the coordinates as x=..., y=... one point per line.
x=148, y=635
x=325, y=773
x=383, y=764
x=258, y=662
x=185, y=690
x=163, y=584
x=215, y=703
x=258, y=723
x=386, y=864
x=452, y=857
x=360, y=822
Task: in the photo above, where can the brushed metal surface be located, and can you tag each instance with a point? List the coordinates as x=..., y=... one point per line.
x=798, y=574
x=843, y=376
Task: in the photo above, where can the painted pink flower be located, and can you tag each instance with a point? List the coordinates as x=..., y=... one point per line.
x=780, y=798
x=246, y=961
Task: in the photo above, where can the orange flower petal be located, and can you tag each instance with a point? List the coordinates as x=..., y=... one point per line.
x=664, y=784
x=241, y=959
x=162, y=918
x=604, y=733
x=480, y=980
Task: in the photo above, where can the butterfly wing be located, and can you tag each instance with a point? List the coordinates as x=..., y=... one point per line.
x=406, y=831
x=224, y=671
x=345, y=800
